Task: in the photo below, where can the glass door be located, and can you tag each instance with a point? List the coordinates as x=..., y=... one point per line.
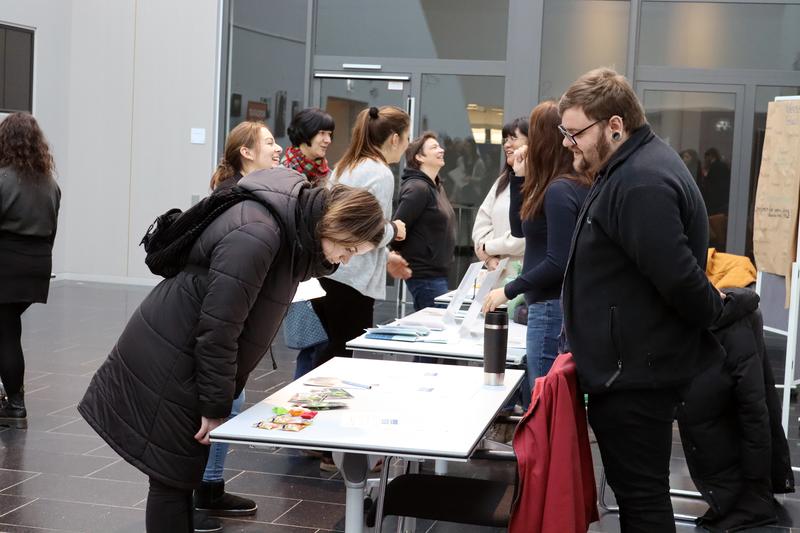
x=703, y=123
x=344, y=96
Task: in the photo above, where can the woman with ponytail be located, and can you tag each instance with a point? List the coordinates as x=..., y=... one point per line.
x=250, y=146
x=380, y=138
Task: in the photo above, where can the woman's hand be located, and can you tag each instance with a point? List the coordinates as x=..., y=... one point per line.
x=520, y=158
x=495, y=299
x=397, y=267
x=481, y=254
x=492, y=263
x=401, y=230
x=206, y=425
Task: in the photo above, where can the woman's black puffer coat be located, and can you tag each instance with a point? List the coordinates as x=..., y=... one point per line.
x=730, y=423
x=188, y=349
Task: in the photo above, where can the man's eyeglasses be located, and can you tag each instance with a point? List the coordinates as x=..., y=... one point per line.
x=573, y=137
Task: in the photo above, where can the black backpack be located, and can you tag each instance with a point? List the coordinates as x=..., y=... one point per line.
x=170, y=237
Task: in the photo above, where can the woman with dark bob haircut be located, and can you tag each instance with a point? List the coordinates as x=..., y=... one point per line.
x=29, y=202
x=311, y=133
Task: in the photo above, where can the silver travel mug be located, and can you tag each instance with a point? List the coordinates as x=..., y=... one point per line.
x=495, y=343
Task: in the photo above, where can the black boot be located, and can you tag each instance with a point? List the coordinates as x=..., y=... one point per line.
x=12, y=411
x=212, y=498
x=204, y=523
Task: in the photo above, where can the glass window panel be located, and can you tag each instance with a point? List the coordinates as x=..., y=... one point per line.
x=699, y=126
x=344, y=99
x=17, y=69
x=466, y=112
x=267, y=63
x=431, y=29
x=720, y=35
x=579, y=35
x=764, y=95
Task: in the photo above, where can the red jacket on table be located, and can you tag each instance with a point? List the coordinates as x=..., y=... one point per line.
x=556, y=491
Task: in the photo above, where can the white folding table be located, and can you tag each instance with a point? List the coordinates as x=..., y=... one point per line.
x=411, y=410
x=457, y=346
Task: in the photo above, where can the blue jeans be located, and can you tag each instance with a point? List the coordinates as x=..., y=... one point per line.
x=218, y=450
x=425, y=290
x=541, y=347
x=306, y=359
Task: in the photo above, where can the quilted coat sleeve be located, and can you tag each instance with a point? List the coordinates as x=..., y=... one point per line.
x=240, y=263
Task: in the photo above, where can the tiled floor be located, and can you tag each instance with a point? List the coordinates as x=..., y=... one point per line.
x=59, y=476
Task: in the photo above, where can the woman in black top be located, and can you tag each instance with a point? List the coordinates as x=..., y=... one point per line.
x=430, y=221
x=29, y=202
x=546, y=197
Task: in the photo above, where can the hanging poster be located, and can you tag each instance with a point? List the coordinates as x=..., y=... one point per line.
x=778, y=194
x=256, y=111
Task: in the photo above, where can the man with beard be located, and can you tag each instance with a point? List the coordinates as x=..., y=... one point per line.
x=637, y=303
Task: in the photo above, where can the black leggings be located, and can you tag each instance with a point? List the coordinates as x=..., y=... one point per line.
x=345, y=313
x=169, y=509
x=12, y=362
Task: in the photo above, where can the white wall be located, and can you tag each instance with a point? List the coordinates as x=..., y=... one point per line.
x=175, y=84
x=95, y=200
x=117, y=88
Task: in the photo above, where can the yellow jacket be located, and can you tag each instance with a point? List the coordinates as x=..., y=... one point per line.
x=728, y=270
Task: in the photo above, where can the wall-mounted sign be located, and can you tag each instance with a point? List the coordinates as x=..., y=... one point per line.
x=256, y=111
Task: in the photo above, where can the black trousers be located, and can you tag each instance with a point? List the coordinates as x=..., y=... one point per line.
x=344, y=313
x=634, y=434
x=169, y=509
x=12, y=361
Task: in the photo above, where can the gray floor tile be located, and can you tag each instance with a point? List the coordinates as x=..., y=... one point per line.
x=71, y=516
x=294, y=487
x=51, y=462
x=314, y=514
x=13, y=477
x=81, y=489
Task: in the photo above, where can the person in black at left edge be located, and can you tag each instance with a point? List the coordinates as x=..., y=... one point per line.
x=29, y=203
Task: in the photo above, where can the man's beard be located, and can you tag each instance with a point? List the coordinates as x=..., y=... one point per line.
x=602, y=151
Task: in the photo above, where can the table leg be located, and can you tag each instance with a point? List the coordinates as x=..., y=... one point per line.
x=353, y=467
x=382, y=493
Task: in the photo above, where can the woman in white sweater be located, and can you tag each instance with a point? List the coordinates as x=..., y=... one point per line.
x=491, y=233
x=380, y=138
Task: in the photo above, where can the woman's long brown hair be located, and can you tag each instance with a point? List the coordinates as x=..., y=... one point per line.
x=24, y=147
x=373, y=126
x=547, y=158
